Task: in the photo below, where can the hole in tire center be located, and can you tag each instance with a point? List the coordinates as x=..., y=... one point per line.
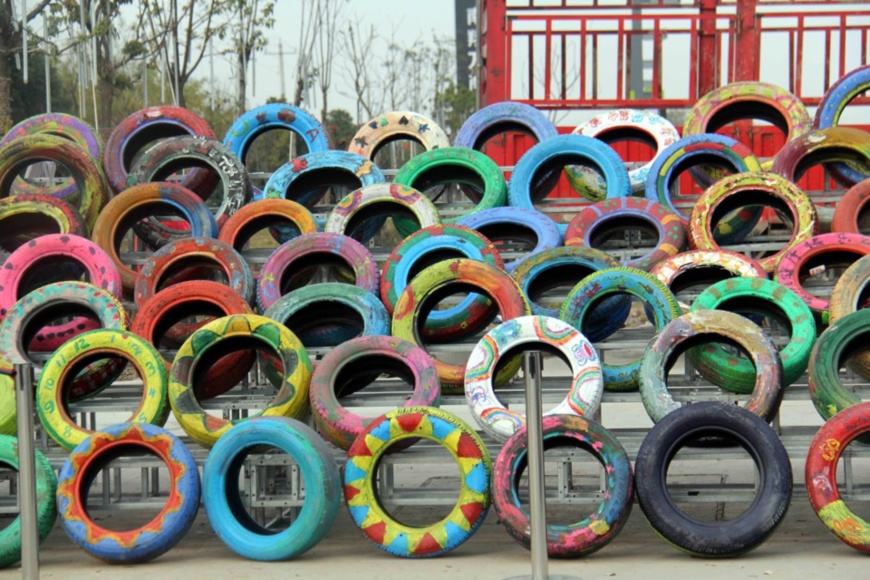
x=325, y=323
x=676, y=183
x=860, y=482
x=643, y=146
x=269, y=149
x=323, y=186
x=712, y=491
x=431, y=258
x=442, y=185
x=254, y=235
x=393, y=152
x=485, y=317
x=49, y=269
x=230, y=360
x=53, y=314
x=19, y=228
x=434, y=478
x=141, y=139
x=315, y=267
x=689, y=283
x=555, y=369
x=863, y=219
x=638, y=325
x=43, y=173
x=849, y=156
x=392, y=375
x=370, y=222
x=115, y=403
x=854, y=359
x=97, y=483
x=624, y=237
x=745, y=115
x=550, y=288
x=8, y=496
x=769, y=316
x=211, y=189
x=570, y=467
x=819, y=273
x=543, y=187
x=126, y=238
x=191, y=267
x=277, y=476
x=746, y=201
x=191, y=311
x=676, y=359
x=510, y=238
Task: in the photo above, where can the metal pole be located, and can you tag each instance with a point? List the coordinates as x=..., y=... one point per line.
x=535, y=454
x=26, y=472
x=24, y=39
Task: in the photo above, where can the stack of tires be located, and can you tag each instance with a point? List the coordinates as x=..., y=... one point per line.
x=186, y=304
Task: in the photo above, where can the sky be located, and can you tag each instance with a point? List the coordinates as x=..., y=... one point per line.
x=410, y=20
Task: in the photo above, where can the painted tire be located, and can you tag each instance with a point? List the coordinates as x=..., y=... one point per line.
x=155, y=319
x=28, y=216
x=351, y=214
x=91, y=191
x=496, y=118
x=61, y=125
x=826, y=146
x=540, y=272
x=586, y=383
x=46, y=512
x=694, y=267
x=823, y=251
x=291, y=400
x=735, y=191
x=431, y=244
x=341, y=371
x=820, y=475
x=614, y=127
x=301, y=253
x=131, y=205
x=164, y=265
x=689, y=151
x=156, y=537
x=835, y=101
x=475, y=468
x=719, y=539
x=559, y=151
x=745, y=100
x=502, y=224
x=829, y=394
x=8, y=414
x=134, y=134
x=594, y=531
x=272, y=213
x=661, y=304
x=251, y=124
x=432, y=281
x=850, y=295
x=397, y=125
x=850, y=215
x=322, y=314
x=51, y=393
x=450, y=165
x=22, y=330
x=593, y=221
x=28, y=263
x=226, y=512
x=697, y=324
x=754, y=295
x=162, y=160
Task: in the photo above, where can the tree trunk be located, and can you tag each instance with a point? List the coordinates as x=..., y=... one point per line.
x=8, y=42
x=105, y=87
x=325, y=109
x=243, y=83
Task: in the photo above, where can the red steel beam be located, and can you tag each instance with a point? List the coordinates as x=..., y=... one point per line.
x=747, y=41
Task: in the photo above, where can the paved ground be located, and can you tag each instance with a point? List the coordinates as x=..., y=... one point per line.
x=801, y=548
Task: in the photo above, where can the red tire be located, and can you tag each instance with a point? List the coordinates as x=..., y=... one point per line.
x=298, y=256
x=821, y=475
x=598, y=219
x=823, y=146
x=818, y=253
x=158, y=314
x=169, y=263
x=132, y=136
x=851, y=213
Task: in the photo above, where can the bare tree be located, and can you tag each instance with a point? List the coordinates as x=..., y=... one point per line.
x=251, y=17
x=329, y=17
x=358, y=49
x=307, y=34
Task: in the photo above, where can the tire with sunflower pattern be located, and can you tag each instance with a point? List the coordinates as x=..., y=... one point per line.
x=152, y=539
x=291, y=400
x=360, y=492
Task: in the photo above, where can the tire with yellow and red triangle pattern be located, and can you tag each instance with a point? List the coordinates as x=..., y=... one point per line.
x=475, y=467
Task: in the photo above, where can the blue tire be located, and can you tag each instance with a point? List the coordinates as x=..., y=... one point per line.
x=255, y=122
x=226, y=513
x=831, y=107
x=312, y=174
x=671, y=162
x=539, y=272
x=154, y=538
x=504, y=223
x=660, y=300
x=560, y=151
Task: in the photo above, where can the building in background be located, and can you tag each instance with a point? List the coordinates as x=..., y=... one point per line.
x=466, y=43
